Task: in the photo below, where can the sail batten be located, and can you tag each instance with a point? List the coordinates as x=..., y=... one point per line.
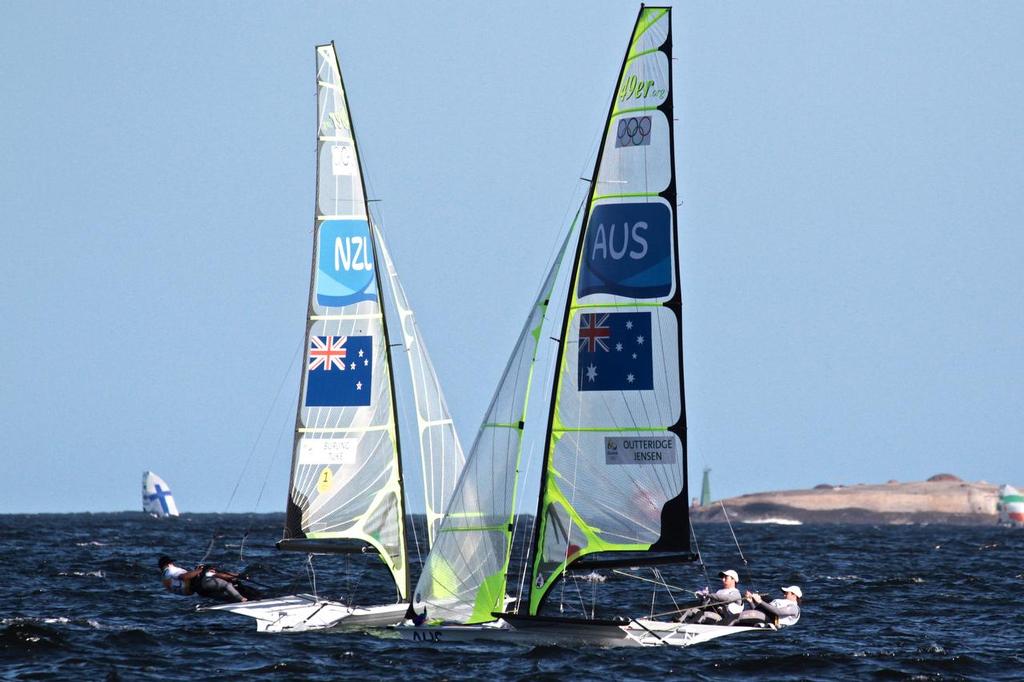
x=614, y=469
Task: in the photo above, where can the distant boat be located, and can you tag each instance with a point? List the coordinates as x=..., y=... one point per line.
x=1011, y=506
x=156, y=496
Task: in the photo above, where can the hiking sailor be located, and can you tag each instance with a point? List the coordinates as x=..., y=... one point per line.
x=202, y=580
x=718, y=608
x=781, y=612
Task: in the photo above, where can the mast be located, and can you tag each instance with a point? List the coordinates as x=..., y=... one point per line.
x=604, y=299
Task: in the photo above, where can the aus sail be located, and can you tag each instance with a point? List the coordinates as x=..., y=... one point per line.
x=614, y=475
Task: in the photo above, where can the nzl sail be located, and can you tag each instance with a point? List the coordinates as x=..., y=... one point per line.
x=614, y=472
x=346, y=479
x=347, y=491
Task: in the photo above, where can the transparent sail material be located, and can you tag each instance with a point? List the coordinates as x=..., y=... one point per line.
x=345, y=472
x=441, y=453
x=615, y=465
x=464, y=578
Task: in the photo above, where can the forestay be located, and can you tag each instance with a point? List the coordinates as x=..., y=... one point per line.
x=614, y=473
x=345, y=477
x=464, y=578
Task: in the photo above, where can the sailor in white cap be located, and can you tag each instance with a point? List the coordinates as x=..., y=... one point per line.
x=730, y=592
x=786, y=610
x=719, y=607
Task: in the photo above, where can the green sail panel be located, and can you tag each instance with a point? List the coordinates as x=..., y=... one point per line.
x=346, y=476
x=464, y=579
x=614, y=476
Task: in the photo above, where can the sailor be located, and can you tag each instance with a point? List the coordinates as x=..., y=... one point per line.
x=720, y=607
x=202, y=580
x=782, y=612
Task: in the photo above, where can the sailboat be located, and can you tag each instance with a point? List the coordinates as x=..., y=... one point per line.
x=347, y=493
x=1010, y=506
x=157, y=499
x=613, y=489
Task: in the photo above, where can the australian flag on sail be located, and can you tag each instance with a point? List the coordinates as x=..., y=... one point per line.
x=339, y=371
x=615, y=352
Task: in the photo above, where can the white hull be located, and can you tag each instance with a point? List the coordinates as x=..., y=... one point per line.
x=635, y=633
x=304, y=612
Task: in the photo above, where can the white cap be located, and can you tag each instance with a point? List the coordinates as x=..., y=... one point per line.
x=731, y=573
x=795, y=590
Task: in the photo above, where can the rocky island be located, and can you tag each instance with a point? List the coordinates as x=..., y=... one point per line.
x=943, y=498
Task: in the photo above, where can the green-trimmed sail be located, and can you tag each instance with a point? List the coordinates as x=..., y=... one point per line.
x=346, y=472
x=441, y=456
x=614, y=472
x=464, y=578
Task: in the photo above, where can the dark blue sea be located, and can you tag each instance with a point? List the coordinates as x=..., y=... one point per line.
x=81, y=599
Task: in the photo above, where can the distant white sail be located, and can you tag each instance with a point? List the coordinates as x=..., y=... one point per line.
x=1011, y=506
x=156, y=496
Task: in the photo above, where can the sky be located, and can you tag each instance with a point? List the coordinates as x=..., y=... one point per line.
x=850, y=228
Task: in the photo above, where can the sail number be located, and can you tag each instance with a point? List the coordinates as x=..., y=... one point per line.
x=426, y=636
x=323, y=483
x=351, y=253
x=635, y=88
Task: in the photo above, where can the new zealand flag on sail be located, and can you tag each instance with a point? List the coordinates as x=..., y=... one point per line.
x=615, y=352
x=339, y=371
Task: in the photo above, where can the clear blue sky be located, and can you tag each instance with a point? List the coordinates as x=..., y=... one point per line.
x=851, y=233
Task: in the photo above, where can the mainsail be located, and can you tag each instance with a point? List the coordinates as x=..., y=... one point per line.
x=614, y=472
x=156, y=496
x=346, y=471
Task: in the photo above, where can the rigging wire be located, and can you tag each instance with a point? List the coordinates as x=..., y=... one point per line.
x=311, y=572
x=746, y=565
x=273, y=454
x=252, y=451
x=700, y=558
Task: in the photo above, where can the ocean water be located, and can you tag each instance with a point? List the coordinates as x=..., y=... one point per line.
x=81, y=599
